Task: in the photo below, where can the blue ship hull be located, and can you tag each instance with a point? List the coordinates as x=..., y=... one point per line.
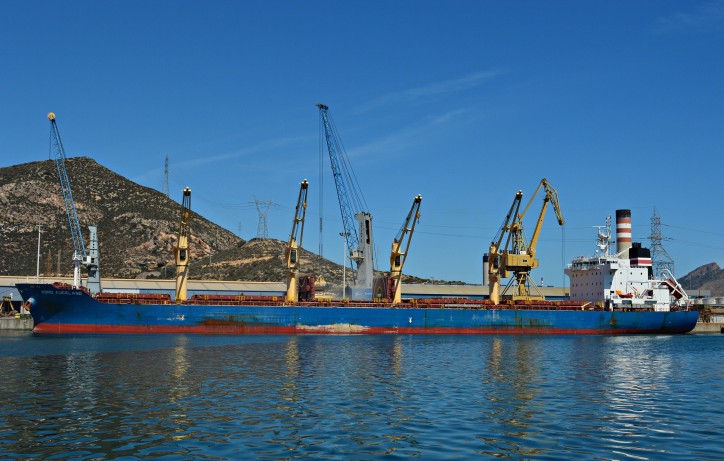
x=68, y=310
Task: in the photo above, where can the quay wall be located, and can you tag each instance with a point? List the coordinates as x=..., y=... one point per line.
x=16, y=323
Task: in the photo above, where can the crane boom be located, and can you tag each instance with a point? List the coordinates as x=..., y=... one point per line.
x=399, y=256
x=497, y=270
x=335, y=150
x=181, y=251
x=295, y=242
x=551, y=195
x=57, y=147
x=90, y=261
x=352, y=208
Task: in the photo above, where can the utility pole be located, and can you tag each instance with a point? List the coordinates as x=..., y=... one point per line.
x=37, y=267
x=344, y=235
x=164, y=187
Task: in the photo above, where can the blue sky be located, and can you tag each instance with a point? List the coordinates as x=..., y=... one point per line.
x=618, y=104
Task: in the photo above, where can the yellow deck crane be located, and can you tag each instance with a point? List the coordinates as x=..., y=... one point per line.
x=399, y=256
x=514, y=255
x=181, y=250
x=292, y=253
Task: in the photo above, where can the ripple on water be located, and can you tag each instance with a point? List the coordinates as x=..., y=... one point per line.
x=367, y=397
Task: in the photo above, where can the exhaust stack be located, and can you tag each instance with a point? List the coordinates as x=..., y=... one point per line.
x=623, y=232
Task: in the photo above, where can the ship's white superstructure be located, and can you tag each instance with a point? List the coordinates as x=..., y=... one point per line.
x=624, y=280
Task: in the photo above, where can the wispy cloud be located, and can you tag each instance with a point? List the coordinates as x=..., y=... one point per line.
x=705, y=17
x=260, y=148
x=404, y=140
x=256, y=149
x=431, y=91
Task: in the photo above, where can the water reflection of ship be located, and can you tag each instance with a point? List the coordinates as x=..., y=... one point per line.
x=319, y=368
x=512, y=379
x=635, y=377
x=182, y=390
x=291, y=371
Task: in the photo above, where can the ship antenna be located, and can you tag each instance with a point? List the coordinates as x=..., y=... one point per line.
x=603, y=240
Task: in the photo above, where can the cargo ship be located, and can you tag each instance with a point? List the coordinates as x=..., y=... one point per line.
x=60, y=308
x=610, y=294
x=63, y=308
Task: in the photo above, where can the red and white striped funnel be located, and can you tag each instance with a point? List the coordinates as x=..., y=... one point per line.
x=623, y=231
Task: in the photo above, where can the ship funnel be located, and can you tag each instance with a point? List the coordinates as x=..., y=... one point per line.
x=623, y=231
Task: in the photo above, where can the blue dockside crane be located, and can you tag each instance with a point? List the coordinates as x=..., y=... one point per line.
x=352, y=206
x=89, y=259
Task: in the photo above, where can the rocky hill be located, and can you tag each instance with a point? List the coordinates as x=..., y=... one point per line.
x=137, y=226
x=137, y=230
x=707, y=277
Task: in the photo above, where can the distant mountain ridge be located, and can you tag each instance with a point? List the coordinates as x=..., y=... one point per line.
x=707, y=277
x=137, y=225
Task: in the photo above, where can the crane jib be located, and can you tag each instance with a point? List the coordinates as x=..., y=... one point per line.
x=343, y=197
x=73, y=222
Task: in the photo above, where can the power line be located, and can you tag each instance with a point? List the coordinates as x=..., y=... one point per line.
x=693, y=230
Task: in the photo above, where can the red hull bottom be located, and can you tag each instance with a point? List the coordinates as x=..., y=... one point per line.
x=47, y=328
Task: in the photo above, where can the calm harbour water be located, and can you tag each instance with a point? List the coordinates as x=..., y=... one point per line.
x=176, y=397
